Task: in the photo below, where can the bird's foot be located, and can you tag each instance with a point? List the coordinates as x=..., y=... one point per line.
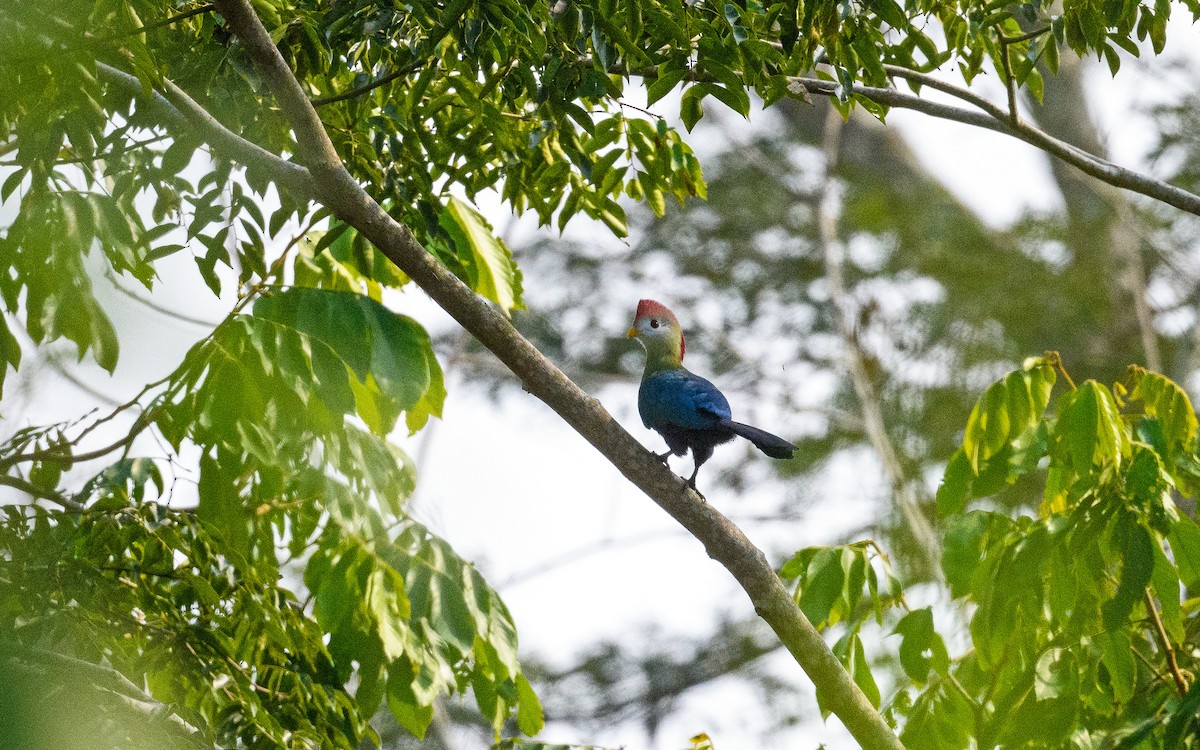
x=662, y=457
x=691, y=483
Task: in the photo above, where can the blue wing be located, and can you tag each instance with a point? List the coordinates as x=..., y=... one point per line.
x=680, y=398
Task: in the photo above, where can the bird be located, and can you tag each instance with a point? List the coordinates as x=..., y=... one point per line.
x=688, y=411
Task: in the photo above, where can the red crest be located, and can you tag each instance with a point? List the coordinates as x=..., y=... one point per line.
x=649, y=308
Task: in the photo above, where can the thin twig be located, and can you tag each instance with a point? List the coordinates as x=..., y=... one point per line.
x=58, y=456
x=624, y=104
x=1026, y=36
x=198, y=10
x=110, y=154
x=1056, y=361
x=996, y=119
x=1010, y=82
x=371, y=85
x=453, y=13
x=78, y=382
x=157, y=307
x=1165, y=643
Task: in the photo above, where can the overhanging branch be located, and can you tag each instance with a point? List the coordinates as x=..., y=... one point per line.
x=995, y=118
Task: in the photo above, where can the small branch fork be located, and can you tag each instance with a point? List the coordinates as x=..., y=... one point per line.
x=1010, y=82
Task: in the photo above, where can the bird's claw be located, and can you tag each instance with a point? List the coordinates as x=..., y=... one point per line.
x=662, y=458
x=691, y=483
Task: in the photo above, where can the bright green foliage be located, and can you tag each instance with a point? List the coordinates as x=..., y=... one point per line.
x=1082, y=619
x=486, y=257
x=830, y=586
x=1067, y=603
x=414, y=621
x=1003, y=435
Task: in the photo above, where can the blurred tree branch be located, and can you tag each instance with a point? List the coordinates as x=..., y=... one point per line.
x=826, y=203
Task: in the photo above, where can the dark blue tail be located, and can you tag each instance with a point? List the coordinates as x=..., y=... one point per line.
x=773, y=445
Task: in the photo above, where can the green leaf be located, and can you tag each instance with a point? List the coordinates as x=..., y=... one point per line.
x=1089, y=429
x=409, y=713
x=10, y=352
x=921, y=648
x=1007, y=410
x=1185, y=548
x=956, y=483
x=221, y=507
x=390, y=355
x=493, y=273
x=1137, y=567
x=529, y=709
x=822, y=586
x=1117, y=658
x=967, y=537
x=860, y=670
x=1166, y=586
x=690, y=108
x=670, y=74
x=1163, y=400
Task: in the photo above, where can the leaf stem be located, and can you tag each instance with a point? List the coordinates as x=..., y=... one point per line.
x=1056, y=361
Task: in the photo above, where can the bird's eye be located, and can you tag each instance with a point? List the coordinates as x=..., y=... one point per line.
x=653, y=323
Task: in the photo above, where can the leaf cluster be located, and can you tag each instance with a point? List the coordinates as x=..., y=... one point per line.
x=1076, y=613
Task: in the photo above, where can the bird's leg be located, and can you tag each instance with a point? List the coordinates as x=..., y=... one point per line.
x=691, y=482
x=700, y=454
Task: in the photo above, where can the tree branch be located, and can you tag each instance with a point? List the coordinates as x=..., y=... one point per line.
x=370, y=85
x=157, y=24
x=180, y=113
x=724, y=542
x=1010, y=83
x=34, y=491
x=60, y=457
x=995, y=118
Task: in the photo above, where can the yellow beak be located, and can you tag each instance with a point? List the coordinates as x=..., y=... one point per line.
x=631, y=333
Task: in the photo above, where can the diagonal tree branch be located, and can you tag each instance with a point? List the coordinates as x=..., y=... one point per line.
x=724, y=542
